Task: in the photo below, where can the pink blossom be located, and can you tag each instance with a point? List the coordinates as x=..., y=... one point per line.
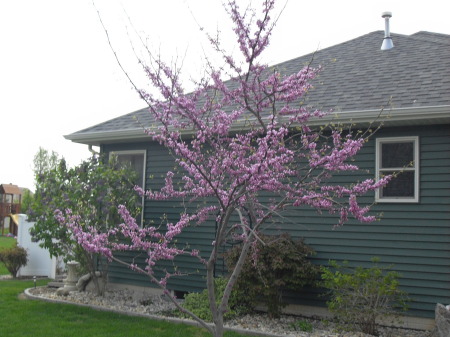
x=243, y=148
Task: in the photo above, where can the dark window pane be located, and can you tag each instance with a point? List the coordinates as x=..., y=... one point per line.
x=396, y=154
x=136, y=162
x=400, y=186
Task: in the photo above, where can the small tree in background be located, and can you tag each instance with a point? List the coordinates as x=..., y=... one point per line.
x=244, y=153
x=94, y=189
x=27, y=200
x=44, y=161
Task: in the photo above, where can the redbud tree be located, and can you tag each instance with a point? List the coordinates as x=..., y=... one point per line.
x=235, y=141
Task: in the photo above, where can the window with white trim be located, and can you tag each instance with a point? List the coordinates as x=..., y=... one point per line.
x=135, y=159
x=398, y=156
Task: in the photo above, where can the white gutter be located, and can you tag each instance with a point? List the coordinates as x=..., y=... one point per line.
x=390, y=117
x=415, y=115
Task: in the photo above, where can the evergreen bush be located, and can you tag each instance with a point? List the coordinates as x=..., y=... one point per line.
x=275, y=264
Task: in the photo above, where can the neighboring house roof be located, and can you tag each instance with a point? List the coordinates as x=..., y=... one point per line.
x=10, y=189
x=357, y=81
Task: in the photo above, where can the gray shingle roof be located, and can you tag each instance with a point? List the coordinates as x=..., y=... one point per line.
x=357, y=76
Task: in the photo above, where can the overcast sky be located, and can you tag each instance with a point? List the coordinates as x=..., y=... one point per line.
x=58, y=74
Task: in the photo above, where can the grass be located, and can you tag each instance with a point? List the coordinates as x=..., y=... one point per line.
x=5, y=242
x=21, y=317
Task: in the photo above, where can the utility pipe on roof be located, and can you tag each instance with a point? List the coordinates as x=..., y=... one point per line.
x=387, y=41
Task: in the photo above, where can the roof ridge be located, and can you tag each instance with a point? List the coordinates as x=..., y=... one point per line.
x=431, y=37
x=431, y=33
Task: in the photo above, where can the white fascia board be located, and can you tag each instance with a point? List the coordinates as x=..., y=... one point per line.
x=420, y=115
x=97, y=138
x=399, y=116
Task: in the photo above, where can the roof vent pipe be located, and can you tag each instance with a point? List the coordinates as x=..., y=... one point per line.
x=387, y=42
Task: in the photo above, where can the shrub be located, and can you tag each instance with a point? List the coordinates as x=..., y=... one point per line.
x=302, y=325
x=91, y=192
x=13, y=258
x=278, y=264
x=198, y=303
x=361, y=296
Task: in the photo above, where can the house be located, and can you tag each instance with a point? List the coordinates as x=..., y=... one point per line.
x=10, y=201
x=412, y=83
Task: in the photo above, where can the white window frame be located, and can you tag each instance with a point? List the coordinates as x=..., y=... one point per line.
x=414, y=167
x=127, y=152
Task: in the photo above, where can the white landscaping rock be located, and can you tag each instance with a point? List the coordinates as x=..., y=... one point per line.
x=126, y=301
x=442, y=317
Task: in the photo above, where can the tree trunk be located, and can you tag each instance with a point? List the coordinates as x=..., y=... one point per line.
x=218, y=324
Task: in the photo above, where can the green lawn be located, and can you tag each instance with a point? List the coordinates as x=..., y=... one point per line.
x=5, y=242
x=21, y=317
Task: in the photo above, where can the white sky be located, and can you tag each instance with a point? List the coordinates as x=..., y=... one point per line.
x=58, y=75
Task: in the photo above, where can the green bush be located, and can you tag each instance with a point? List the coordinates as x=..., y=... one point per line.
x=13, y=258
x=198, y=303
x=361, y=296
x=92, y=191
x=302, y=325
x=278, y=264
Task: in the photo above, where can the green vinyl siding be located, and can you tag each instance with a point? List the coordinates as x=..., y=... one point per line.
x=159, y=213
x=414, y=238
